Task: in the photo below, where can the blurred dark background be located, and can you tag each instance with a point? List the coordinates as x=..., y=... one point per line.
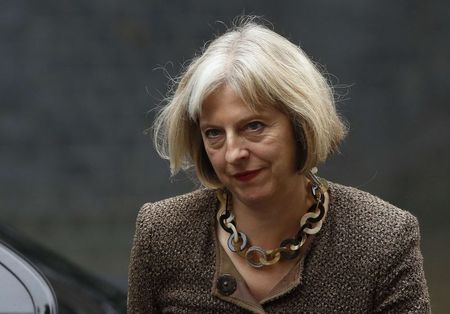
x=79, y=80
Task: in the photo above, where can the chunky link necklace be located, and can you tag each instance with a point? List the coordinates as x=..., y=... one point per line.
x=256, y=256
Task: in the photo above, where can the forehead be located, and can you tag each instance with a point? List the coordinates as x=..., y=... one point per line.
x=225, y=99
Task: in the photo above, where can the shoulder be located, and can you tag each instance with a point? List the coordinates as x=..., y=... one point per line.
x=363, y=211
x=367, y=229
x=175, y=220
x=177, y=208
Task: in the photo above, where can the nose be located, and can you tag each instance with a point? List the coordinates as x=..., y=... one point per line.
x=236, y=150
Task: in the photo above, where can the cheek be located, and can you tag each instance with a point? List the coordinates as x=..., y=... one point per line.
x=280, y=156
x=271, y=150
x=291, y=157
x=214, y=158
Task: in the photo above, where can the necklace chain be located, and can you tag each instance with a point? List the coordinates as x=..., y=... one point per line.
x=310, y=223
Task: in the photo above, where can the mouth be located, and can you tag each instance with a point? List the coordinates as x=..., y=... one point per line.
x=246, y=175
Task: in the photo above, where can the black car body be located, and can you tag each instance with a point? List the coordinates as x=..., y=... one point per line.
x=34, y=279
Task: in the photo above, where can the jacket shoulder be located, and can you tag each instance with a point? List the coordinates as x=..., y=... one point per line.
x=364, y=211
x=175, y=221
x=183, y=207
x=367, y=229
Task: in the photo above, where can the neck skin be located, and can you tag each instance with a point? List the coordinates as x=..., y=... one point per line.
x=270, y=222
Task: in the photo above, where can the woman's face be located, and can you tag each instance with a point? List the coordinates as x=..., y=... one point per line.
x=252, y=153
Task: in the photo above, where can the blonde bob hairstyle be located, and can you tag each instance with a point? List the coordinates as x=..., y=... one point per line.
x=264, y=69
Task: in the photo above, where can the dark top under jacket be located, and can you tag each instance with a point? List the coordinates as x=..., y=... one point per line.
x=366, y=259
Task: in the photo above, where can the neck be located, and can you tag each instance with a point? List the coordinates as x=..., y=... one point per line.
x=270, y=222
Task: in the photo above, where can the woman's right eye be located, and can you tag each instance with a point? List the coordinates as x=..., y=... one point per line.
x=212, y=133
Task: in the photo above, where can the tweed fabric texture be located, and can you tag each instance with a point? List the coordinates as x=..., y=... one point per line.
x=366, y=259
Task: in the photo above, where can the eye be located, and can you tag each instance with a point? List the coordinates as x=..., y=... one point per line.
x=255, y=126
x=212, y=133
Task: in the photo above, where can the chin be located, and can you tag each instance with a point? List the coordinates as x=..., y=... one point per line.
x=252, y=195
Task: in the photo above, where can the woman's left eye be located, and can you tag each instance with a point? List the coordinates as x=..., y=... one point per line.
x=255, y=126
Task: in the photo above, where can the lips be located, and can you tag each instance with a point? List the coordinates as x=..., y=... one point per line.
x=246, y=175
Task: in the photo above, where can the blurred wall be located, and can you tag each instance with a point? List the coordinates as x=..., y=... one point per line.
x=79, y=80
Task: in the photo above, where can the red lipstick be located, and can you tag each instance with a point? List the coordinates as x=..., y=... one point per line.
x=246, y=175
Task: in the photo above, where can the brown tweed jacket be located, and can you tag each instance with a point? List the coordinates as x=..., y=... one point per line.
x=366, y=259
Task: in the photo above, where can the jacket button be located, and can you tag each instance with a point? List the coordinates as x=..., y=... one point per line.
x=226, y=284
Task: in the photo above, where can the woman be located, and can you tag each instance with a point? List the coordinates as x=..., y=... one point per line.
x=254, y=117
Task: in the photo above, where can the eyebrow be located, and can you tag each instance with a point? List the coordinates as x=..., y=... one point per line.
x=240, y=121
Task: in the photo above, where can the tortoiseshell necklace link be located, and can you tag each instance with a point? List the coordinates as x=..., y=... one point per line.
x=310, y=223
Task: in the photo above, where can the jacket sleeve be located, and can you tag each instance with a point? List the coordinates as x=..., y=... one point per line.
x=140, y=290
x=403, y=288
